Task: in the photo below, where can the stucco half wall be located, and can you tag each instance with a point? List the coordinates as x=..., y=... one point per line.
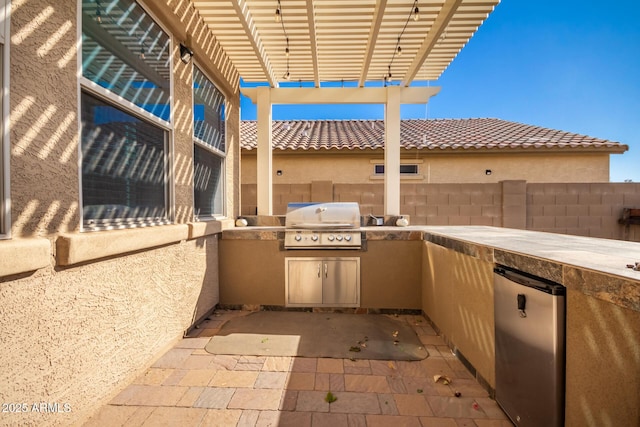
x=77, y=335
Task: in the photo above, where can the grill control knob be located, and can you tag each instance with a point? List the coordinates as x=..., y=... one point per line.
x=298, y=237
x=339, y=238
x=330, y=237
x=314, y=237
x=347, y=238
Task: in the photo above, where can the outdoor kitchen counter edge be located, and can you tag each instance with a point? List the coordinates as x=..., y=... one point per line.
x=372, y=233
x=593, y=266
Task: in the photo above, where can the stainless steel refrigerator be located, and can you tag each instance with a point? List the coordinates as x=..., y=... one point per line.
x=530, y=348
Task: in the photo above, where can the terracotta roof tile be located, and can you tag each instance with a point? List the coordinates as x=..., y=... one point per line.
x=435, y=134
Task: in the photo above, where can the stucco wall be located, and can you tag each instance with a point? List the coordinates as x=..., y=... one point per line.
x=76, y=334
x=44, y=118
x=457, y=295
x=357, y=167
x=603, y=362
x=253, y=272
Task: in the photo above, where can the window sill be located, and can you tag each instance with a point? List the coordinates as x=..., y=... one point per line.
x=207, y=228
x=81, y=247
x=24, y=255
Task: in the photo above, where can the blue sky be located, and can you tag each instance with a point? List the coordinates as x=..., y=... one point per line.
x=572, y=65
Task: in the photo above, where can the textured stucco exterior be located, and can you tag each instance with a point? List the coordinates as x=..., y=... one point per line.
x=602, y=338
x=457, y=295
x=357, y=167
x=253, y=272
x=75, y=336
x=44, y=118
x=83, y=313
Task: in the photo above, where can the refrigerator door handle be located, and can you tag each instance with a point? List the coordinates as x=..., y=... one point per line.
x=522, y=302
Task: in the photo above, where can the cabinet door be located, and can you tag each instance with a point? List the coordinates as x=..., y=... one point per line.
x=341, y=282
x=304, y=281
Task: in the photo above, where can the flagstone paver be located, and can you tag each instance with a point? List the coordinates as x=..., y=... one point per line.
x=220, y=418
x=170, y=416
x=188, y=386
x=329, y=366
x=197, y=377
x=412, y=404
x=190, y=397
x=392, y=420
x=320, y=419
x=358, y=403
x=301, y=381
x=255, y=399
x=276, y=380
x=366, y=383
x=312, y=401
x=214, y=397
x=234, y=379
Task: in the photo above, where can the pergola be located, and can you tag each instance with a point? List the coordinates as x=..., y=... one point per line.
x=395, y=41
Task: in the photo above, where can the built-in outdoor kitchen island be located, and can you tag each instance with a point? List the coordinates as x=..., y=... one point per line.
x=446, y=272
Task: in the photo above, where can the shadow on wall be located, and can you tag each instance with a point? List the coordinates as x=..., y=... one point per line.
x=606, y=342
x=209, y=294
x=476, y=288
x=44, y=151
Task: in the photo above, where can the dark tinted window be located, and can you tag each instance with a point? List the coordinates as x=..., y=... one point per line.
x=123, y=166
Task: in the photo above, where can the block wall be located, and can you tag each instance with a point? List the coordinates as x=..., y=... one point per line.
x=582, y=209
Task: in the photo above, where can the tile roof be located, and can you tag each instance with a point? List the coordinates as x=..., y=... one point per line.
x=432, y=134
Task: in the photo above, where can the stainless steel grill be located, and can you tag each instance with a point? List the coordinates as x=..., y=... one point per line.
x=322, y=226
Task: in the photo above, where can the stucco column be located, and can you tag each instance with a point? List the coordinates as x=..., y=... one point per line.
x=392, y=152
x=264, y=157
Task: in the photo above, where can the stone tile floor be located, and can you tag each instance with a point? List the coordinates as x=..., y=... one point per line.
x=188, y=386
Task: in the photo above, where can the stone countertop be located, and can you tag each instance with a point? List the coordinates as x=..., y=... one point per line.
x=603, y=255
x=372, y=233
x=253, y=233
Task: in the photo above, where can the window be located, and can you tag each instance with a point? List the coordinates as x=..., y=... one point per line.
x=209, y=147
x=405, y=169
x=4, y=135
x=123, y=166
x=125, y=113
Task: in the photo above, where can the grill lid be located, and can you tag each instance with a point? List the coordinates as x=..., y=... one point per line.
x=330, y=215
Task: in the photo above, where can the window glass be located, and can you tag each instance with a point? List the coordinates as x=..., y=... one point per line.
x=126, y=52
x=208, y=183
x=409, y=169
x=405, y=169
x=208, y=112
x=124, y=170
x=3, y=202
x=209, y=147
x=123, y=166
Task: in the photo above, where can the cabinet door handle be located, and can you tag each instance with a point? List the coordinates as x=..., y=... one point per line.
x=319, y=264
x=326, y=270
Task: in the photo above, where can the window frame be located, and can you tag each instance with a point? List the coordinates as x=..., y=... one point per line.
x=5, y=177
x=116, y=101
x=211, y=150
x=416, y=173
